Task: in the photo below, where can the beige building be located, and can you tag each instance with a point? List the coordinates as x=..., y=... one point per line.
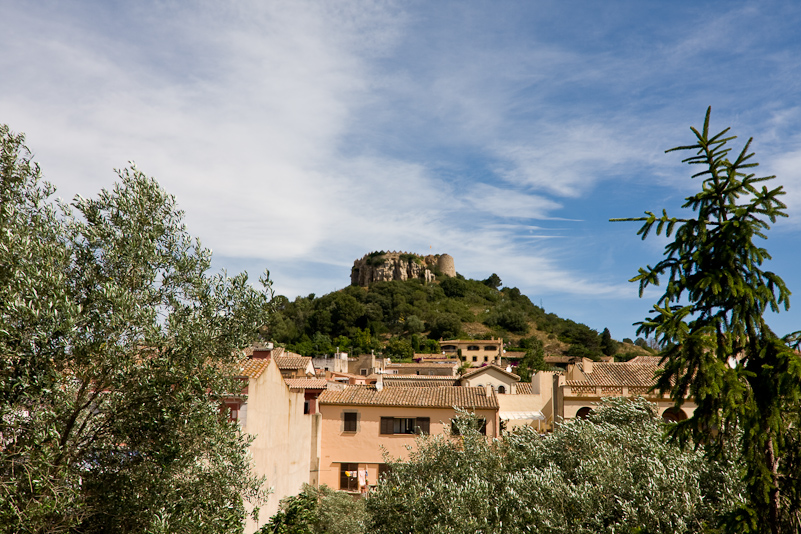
x=519, y=403
x=445, y=368
x=285, y=448
x=359, y=422
x=477, y=352
x=293, y=365
x=586, y=382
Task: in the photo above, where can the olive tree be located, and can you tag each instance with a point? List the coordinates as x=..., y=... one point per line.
x=611, y=472
x=114, y=347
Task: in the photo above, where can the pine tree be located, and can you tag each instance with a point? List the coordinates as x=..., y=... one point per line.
x=608, y=345
x=744, y=379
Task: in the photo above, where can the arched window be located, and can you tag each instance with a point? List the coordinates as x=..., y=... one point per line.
x=501, y=389
x=583, y=412
x=674, y=415
x=491, y=347
x=473, y=347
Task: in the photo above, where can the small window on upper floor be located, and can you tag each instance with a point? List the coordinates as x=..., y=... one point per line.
x=350, y=421
x=491, y=347
x=473, y=347
x=501, y=390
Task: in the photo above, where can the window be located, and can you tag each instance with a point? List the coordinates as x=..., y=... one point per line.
x=482, y=427
x=306, y=407
x=364, y=372
x=349, y=477
x=501, y=389
x=491, y=347
x=350, y=420
x=405, y=425
x=475, y=358
x=473, y=347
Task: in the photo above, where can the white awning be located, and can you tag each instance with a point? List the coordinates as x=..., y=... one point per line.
x=534, y=416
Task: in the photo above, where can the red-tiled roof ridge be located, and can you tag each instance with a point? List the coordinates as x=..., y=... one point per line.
x=306, y=383
x=251, y=368
x=431, y=397
x=639, y=374
x=454, y=363
x=292, y=361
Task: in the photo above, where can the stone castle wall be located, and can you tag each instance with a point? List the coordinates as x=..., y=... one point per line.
x=394, y=265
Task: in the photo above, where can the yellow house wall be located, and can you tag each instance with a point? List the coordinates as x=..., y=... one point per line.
x=282, y=449
x=482, y=356
x=364, y=445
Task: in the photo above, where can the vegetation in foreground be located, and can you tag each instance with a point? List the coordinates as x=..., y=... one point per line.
x=744, y=378
x=611, y=472
x=113, y=345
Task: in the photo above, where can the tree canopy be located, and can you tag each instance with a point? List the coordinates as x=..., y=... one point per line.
x=114, y=342
x=710, y=320
x=611, y=472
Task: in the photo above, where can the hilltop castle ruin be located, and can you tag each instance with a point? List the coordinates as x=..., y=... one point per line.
x=386, y=266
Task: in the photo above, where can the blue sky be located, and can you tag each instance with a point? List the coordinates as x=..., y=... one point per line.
x=299, y=136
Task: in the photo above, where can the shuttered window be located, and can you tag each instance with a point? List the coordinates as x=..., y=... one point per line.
x=350, y=421
x=423, y=425
x=387, y=425
x=405, y=425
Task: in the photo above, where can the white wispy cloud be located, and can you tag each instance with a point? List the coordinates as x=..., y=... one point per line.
x=302, y=134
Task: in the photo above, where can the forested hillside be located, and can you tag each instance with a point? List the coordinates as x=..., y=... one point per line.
x=400, y=318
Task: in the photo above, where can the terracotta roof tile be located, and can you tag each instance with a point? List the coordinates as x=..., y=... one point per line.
x=619, y=374
x=419, y=381
x=306, y=383
x=433, y=397
x=292, y=361
x=524, y=388
x=252, y=368
x=426, y=365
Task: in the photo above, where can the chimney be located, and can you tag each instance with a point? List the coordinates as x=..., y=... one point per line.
x=536, y=380
x=264, y=352
x=379, y=384
x=586, y=365
x=488, y=390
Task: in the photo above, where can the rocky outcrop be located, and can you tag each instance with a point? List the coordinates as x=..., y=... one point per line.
x=386, y=266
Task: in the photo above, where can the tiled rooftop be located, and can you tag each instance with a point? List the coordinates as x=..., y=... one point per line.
x=251, y=368
x=424, y=381
x=306, y=383
x=292, y=361
x=431, y=397
x=438, y=365
x=640, y=374
x=524, y=388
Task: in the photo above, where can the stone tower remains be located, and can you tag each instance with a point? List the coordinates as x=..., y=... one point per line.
x=386, y=266
x=446, y=266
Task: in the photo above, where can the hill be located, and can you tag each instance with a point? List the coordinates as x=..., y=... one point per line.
x=403, y=317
